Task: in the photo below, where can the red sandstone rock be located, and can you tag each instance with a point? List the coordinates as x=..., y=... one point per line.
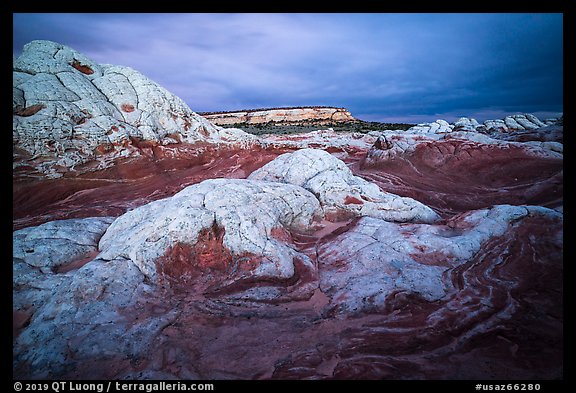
x=455, y=175
x=245, y=279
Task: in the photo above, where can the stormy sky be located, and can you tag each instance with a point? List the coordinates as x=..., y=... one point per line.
x=382, y=67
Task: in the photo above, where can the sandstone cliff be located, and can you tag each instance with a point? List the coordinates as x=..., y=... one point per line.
x=317, y=114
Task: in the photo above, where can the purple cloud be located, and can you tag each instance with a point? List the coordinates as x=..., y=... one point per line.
x=380, y=66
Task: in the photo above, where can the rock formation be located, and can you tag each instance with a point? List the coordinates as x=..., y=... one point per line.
x=316, y=114
x=152, y=244
x=386, y=293
x=338, y=190
x=526, y=121
x=416, y=264
x=439, y=127
x=461, y=171
x=232, y=231
x=69, y=110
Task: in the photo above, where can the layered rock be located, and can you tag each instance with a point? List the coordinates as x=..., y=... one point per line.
x=363, y=268
x=389, y=145
x=511, y=123
x=234, y=230
x=338, y=190
x=437, y=127
x=68, y=111
x=212, y=284
x=69, y=300
x=497, y=313
x=460, y=171
x=311, y=268
x=316, y=114
x=548, y=133
x=436, y=299
x=466, y=124
x=40, y=253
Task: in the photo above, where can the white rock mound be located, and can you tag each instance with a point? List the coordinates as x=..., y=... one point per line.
x=69, y=110
x=466, y=124
x=39, y=253
x=526, y=121
x=338, y=190
x=361, y=268
x=73, y=300
x=436, y=127
x=230, y=228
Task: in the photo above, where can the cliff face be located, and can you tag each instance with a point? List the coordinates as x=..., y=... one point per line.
x=280, y=115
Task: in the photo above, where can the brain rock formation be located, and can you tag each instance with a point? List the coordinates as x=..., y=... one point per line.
x=68, y=110
x=149, y=243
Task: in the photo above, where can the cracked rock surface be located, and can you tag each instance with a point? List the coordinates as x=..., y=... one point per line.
x=338, y=190
x=363, y=267
x=384, y=294
x=68, y=110
x=150, y=244
x=237, y=228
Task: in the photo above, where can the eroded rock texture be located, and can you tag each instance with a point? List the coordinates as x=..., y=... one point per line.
x=477, y=297
x=69, y=110
x=280, y=115
x=460, y=172
x=234, y=227
x=151, y=244
x=339, y=190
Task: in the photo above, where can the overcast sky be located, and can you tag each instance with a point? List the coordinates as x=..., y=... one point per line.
x=382, y=67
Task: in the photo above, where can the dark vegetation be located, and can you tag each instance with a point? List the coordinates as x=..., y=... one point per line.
x=307, y=126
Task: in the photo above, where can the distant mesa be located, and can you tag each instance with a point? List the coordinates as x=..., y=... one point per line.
x=286, y=115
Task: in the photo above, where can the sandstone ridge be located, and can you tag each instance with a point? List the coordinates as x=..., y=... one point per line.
x=317, y=114
x=69, y=110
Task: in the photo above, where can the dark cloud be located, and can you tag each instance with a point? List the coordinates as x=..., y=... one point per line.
x=380, y=66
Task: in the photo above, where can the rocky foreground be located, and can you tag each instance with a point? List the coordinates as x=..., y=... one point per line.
x=150, y=243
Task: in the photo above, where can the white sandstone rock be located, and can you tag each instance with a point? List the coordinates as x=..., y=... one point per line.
x=526, y=121
x=361, y=268
x=512, y=124
x=420, y=128
x=82, y=312
x=527, y=124
x=551, y=121
x=50, y=57
x=434, y=127
x=39, y=252
x=466, y=124
x=437, y=127
x=75, y=307
x=496, y=125
x=444, y=126
x=339, y=190
x=248, y=212
x=62, y=97
x=533, y=119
